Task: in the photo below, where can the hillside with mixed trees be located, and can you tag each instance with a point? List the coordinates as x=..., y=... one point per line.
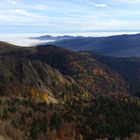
x=52, y=93
x=128, y=68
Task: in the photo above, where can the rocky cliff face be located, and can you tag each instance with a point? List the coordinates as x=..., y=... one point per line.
x=22, y=77
x=54, y=71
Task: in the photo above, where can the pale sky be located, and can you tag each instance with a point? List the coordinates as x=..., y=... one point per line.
x=40, y=16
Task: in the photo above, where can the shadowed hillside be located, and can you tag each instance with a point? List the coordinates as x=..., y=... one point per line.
x=6, y=47
x=128, y=68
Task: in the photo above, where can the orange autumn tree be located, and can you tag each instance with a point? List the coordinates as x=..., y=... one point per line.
x=33, y=92
x=44, y=97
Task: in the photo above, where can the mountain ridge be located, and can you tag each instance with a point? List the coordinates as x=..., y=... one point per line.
x=55, y=38
x=119, y=46
x=72, y=64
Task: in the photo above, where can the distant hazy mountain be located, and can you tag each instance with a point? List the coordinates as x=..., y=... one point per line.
x=120, y=45
x=56, y=38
